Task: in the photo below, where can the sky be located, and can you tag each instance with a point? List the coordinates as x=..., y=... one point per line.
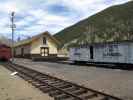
x=35, y=16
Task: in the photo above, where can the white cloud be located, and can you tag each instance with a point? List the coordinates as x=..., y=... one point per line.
x=88, y=7
x=13, y=5
x=25, y=21
x=37, y=18
x=44, y=19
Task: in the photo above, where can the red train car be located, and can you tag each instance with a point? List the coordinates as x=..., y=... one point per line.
x=5, y=52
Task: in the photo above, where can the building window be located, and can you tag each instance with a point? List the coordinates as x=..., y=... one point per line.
x=44, y=41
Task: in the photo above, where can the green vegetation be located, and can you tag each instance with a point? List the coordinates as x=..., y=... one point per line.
x=112, y=24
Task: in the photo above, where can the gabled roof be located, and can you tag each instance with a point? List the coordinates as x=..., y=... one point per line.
x=28, y=41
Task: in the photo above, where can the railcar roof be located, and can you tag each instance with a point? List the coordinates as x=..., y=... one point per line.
x=3, y=45
x=102, y=43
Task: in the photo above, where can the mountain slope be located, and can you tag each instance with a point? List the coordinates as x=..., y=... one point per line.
x=112, y=24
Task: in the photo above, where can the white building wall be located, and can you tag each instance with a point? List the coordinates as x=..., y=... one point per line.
x=102, y=54
x=52, y=47
x=26, y=48
x=121, y=53
x=130, y=53
x=79, y=54
x=35, y=46
x=18, y=51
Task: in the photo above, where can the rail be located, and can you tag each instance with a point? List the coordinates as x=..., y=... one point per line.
x=58, y=88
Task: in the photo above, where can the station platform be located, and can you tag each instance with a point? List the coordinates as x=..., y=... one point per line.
x=13, y=87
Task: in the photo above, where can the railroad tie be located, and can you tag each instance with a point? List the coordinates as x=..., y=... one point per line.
x=61, y=96
x=54, y=93
x=88, y=95
x=79, y=91
x=100, y=98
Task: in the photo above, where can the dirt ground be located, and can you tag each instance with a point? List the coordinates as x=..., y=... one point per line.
x=15, y=88
x=112, y=81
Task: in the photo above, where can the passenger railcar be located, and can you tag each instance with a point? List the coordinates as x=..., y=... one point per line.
x=5, y=52
x=109, y=52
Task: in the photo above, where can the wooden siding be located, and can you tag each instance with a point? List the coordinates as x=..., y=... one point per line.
x=35, y=46
x=26, y=50
x=107, y=53
x=52, y=47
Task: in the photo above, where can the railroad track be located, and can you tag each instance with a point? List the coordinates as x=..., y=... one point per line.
x=57, y=88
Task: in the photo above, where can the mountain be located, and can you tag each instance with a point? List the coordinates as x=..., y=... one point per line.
x=112, y=24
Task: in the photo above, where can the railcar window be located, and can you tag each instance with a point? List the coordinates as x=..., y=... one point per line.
x=76, y=52
x=111, y=50
x=76, y=49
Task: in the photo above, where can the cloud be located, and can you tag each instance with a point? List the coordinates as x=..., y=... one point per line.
x=35, y=16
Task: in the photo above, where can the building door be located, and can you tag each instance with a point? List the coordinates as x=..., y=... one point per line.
x=22, y=52
x=91, y=52
x=44, y=51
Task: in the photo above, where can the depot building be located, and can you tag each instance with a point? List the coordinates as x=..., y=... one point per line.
x=41, y=45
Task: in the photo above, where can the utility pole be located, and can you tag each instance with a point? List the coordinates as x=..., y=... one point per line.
x=12, y=28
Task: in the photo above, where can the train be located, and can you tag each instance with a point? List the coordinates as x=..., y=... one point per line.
x=117, y=53
x=5, y=52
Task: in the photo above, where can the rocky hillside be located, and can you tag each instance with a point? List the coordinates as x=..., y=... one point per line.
x=112, y=24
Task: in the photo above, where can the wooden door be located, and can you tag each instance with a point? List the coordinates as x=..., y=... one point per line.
x=91, y=52
x=22, y=52
x=44, y=51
